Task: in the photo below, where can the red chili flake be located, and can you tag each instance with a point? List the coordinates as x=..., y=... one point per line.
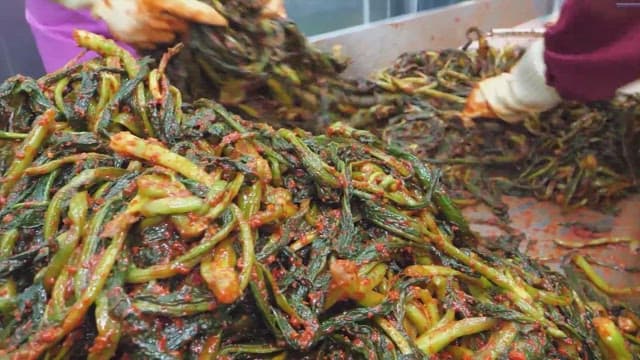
x=192, y=217
x=196, y=278
x=187, y=297
x=254, y=275
x=49, y=335
x=501, y=298
x=306, y=336
x=178, y=247
x=295, y=322
x=72, y=269
x=342, y=180
x=562, y=352
x=99, y=344
x=20, y=154
x=8, y=218
x=130, y=189
x=255, y=222
x=517, y=355
x=370, y=315
x=231, y=138
x=162, y=343
x=69, y=290
x=314, y=296
x=50, y=281
x=43, y=121
x=182, y=269
x=277, y=273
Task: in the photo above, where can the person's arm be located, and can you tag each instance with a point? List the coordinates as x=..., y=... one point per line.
x=587, y=55
x=144, y=23
x=593, y=50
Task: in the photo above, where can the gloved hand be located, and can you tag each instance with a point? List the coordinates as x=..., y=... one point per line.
x=146, y=23
x=274, y=8
x=511, y=96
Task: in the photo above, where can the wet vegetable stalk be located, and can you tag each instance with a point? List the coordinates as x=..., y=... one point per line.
x=136, y=225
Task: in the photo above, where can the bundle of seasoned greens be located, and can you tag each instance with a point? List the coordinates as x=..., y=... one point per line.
x=575, y=154
x=137, y=226
x=259, y=66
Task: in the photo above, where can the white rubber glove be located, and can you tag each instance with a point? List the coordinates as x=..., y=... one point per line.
x=631, y=88
x=511, y=96
x=146, y=23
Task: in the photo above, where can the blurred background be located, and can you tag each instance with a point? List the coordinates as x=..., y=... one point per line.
x=18, y=53
x=320, y=16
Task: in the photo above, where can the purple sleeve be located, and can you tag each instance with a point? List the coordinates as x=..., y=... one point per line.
x=593, y=49
x=52, y=26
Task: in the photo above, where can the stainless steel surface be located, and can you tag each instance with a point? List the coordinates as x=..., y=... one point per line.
x=539, y=32
x=376, y=45
x=544, y=222
x=519, y=36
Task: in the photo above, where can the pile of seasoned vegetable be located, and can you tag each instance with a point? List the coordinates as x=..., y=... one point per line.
x=137, y=226
x=575, y=154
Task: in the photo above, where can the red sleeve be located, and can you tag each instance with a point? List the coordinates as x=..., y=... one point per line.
x=593, y=49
